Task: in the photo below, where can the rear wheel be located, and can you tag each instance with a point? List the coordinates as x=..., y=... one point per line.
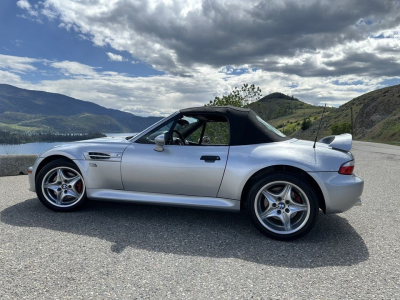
x=283, y=206
x=60, y=186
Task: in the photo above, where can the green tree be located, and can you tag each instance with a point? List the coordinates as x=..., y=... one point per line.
x=306, y=124
x=238, y=97
x=341, y=128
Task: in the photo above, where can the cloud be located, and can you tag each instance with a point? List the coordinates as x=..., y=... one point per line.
x=115, y=57
x=17, y=64
x=179, y=36
x=33, y=13
x=164, y=94
x=10, y=78
x=24, y=4
x=17, y=43
x=371, y=57
x=314, y=49
x=69, y=68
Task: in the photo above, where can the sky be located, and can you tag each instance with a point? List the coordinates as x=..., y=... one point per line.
x=155, y=57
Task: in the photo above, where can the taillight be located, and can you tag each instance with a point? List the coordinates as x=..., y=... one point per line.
x=347, y=168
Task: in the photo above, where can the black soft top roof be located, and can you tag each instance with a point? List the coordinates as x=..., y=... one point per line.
x=245, y=128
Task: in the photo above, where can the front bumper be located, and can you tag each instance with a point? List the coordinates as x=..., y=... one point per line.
x=31, y=177
x=32, y=174
x=341, y=192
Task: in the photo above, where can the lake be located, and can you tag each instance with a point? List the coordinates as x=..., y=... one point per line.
x=37, y=148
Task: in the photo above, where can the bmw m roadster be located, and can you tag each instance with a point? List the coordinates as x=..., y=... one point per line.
x=224, y=158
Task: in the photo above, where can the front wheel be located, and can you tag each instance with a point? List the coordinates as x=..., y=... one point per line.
x=60, y=186
x=283, y=206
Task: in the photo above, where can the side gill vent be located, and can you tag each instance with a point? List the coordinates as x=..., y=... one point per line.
x=99, y=155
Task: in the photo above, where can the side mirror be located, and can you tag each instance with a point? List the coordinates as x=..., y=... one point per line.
x=160, y=142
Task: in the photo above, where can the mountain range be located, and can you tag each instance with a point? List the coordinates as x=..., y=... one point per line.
x=26, y=110
x=376, y=115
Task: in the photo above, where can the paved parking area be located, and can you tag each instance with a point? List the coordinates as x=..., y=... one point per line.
x=126, y=251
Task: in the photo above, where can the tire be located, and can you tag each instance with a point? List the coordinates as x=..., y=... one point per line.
x=60, y=186
x=282, y=206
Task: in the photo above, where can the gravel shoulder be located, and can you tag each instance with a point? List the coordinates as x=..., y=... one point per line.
x=127, y=251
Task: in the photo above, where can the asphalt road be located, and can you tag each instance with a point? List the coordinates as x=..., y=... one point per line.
x=126, y=251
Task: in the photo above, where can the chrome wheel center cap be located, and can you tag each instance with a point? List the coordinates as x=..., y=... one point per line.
x=281, y=205
x=64, y=186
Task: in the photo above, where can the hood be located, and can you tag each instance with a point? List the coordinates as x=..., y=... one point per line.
x=76, y=150
x=105, y=140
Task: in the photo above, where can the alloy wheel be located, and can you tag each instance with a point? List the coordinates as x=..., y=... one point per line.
x=63, y=187
x=282, y=207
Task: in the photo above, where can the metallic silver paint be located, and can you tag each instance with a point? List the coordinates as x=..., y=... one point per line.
x=341, y=192
x=343, y=141
x=31, y=178
x=178, y=172
x=153, y=198
x=160, y=142
x=245, y=161
x=106, y=175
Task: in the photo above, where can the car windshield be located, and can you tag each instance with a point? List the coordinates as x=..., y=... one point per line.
x=270, y=127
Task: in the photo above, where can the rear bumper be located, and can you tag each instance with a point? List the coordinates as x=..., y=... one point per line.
x=341, y=192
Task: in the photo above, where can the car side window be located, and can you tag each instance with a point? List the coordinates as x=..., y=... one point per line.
x=183, y=129
x=207, y=130
x=216, y=133
x=212, y=131
x=194, y=137
x=150, y=137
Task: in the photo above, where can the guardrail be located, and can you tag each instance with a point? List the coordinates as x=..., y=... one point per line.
x=11, y=165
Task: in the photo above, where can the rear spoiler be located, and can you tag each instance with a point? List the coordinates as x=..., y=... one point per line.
x=341, y=142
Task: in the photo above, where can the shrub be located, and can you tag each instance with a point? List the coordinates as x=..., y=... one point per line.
x=306, y=124
x=341, y=128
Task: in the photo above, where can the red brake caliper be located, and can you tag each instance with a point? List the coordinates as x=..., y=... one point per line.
x=297, y=198
x=78, y=186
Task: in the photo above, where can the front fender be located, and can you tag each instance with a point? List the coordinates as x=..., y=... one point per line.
x=97, y=173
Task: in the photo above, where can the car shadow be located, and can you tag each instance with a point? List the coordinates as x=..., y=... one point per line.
x=182, y=231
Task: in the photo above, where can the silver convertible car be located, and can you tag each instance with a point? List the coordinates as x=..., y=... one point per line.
x=223, y=158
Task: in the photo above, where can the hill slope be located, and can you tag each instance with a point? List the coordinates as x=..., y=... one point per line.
x=286, y=113
x=376, y=117
x=22, y=110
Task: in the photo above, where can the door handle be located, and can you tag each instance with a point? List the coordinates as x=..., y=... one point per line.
x=210, y=158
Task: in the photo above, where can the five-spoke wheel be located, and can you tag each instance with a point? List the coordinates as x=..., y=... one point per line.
x=60, y=186
x=283, y=206
x=63, y=186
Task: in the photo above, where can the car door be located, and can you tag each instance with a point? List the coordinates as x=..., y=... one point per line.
x=193, y=169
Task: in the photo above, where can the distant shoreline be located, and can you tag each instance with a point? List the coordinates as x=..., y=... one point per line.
x=8, y=138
